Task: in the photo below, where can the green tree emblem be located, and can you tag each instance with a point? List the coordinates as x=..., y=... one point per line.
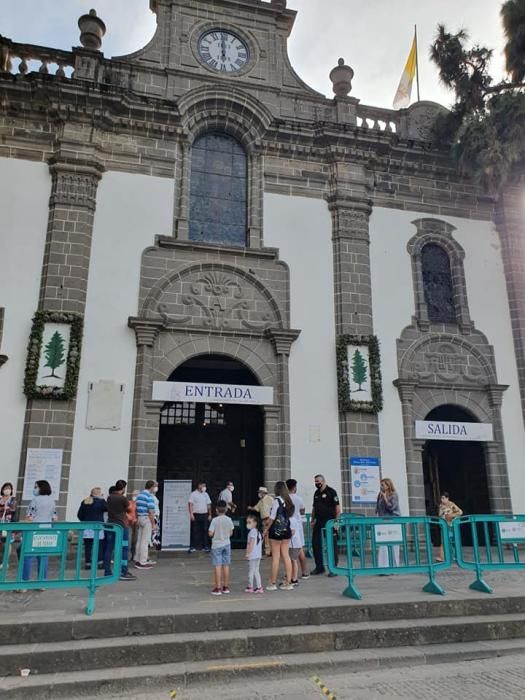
x=54, y=352
x=359, y=370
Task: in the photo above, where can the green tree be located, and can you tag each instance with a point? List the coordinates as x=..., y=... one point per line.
x=486, y=125
x=54, y=352
x=359, y=370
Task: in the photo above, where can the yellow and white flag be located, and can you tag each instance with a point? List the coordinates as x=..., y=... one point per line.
x=404, y=91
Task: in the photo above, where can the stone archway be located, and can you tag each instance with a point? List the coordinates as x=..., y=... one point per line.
x=437, y=369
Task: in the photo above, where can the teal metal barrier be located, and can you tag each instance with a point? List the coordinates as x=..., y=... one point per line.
x=489, y=543
x=58, y=556
x=385, y=546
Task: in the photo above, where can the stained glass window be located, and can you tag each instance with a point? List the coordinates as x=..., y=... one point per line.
x=218, y=202
x=437, y=284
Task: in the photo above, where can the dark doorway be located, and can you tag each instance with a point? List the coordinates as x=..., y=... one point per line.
x=456, y=467
x=213, y=442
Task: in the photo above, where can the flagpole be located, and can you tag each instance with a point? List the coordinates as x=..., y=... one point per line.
x=417, y=63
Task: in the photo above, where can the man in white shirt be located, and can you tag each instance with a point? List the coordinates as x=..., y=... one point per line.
x=297, y=525
x=199, y=507
x=226, y=495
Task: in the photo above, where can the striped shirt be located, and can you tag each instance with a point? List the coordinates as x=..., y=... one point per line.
x=145, y=503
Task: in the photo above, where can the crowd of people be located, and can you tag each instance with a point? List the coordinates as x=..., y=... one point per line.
x=274, y=525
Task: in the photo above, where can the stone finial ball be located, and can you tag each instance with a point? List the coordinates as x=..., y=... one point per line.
x=341, y=77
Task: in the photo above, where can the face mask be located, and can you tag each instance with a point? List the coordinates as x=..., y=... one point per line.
x=36, y=492
x=250, y=526
x=7, y=492
x=318, y=486
x=155, y=489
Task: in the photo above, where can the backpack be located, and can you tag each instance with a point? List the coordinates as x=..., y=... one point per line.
x=281, y=524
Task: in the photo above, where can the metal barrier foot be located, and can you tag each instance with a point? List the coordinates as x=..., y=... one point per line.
x=352, y=592
x=434, y=587
x=481, y=585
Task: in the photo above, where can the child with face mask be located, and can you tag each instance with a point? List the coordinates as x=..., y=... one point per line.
x=254, y=554
x=7, y=515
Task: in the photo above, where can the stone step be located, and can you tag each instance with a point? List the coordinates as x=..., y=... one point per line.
x=91, y=654
x=155, y=679
x=33, y=628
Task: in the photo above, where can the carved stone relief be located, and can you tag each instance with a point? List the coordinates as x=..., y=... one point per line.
x=75, y=188
x=421, y=119
x=216, y=299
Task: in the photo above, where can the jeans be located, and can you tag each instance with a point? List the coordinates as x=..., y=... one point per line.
x=110, y=546
x=88, y=551
x=317, y=545
x=254, y=576
x=199, y=531
x=222, y=556
x=144, y=539
x=28, y=567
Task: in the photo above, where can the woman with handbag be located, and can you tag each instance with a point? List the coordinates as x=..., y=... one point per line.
x=280, y=532
x=7, y=515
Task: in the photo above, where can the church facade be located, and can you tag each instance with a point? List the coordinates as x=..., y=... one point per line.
x=195, y=213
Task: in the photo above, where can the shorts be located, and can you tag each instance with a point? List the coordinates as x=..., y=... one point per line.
x=294, y=553
x=221, y=556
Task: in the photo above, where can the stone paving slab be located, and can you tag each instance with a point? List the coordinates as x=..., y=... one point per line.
x=183, y=585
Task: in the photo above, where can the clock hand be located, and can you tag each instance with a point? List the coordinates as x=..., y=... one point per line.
x=223, y=47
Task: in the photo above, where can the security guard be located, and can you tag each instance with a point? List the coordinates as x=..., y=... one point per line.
x=326, y=507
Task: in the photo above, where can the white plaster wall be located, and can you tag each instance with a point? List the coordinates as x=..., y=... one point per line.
x=393, y=300
x=301, y=228
x=131, y=211
x=24, y=196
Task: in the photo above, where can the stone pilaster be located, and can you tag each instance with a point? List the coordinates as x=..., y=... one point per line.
x=350, y=205
x=496, y=458
x=510, y=222
x=49, y=423
x=146, y=413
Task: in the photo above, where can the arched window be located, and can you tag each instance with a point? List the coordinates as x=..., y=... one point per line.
x=437, y=284
x=218, y=199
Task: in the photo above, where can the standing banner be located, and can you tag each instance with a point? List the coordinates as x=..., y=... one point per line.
x=175, y=515
x=366, y=476
x=42, y=465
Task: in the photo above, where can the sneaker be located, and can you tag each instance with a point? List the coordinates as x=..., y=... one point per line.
x=294, y=583
x=271, y=587
x=305, y=577
x=216, y=591
x=249, y=589
x=316, y=572
x=206, y=549
x=259, y=590
x=191, y=550
x=286, y=587
x=138, y=565
x=226, y=590
x=151, y=562
x=128, y=576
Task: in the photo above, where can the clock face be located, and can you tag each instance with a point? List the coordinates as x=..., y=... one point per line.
x=223, y=51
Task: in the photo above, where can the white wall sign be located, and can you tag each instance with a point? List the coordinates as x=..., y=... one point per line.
x=104, y=411
x=389, y=534
x=512, y=531
x=175, y=515
x=42, y=465
x=359, y=373
x=213, y=393
x=443, y=430
x=53, y=355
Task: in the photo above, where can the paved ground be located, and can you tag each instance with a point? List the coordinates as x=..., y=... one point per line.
x=183, y=584
x=498, y=679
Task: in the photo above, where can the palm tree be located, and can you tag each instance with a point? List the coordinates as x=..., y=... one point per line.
x=513, y=18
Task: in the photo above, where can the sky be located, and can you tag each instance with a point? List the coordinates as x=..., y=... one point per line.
x=374, y=37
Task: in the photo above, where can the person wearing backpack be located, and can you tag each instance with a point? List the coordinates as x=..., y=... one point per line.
x=280, y=533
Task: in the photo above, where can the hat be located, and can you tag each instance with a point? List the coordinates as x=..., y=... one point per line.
x=262, y=489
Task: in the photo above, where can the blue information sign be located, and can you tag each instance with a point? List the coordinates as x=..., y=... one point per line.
x=365, y=474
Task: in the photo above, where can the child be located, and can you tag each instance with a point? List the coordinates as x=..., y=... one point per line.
x=220, y=531
x=296, y=547
x=254, y=554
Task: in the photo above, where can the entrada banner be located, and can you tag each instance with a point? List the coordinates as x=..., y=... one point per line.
x=213, y=393
x=443, y=430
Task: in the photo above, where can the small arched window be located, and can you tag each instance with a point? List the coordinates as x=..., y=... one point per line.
x=219, y=192
x=437, y=284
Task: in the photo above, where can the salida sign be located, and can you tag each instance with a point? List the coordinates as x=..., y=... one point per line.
x=212, y=393
x=445, y=430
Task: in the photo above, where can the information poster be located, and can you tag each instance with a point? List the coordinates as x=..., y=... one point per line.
x=42, y=465
x=366, y=475
x=175, y=515
x=388, y=534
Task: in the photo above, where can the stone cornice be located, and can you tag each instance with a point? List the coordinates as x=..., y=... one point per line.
x=282, y=339
x=146, y=330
